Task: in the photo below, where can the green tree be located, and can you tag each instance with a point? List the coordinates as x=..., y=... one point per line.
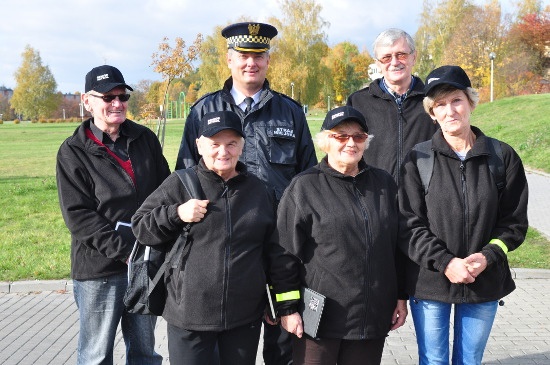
x=34, y=95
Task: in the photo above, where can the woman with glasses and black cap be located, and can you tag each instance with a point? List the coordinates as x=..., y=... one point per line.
x=337, y=232
x=464, y=198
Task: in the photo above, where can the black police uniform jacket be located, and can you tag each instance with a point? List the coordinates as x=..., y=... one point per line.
x=396, y=129
x=338, y=235
x=220, y=282
x=278, y=142
x=461, y=213
x=95, y=193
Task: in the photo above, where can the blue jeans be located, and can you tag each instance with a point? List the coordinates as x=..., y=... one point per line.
x=101, y=308
x=472, y=326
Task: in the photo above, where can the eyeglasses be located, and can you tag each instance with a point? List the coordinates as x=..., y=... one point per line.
x=110, y=98
x=401, y=56
x=343, y=138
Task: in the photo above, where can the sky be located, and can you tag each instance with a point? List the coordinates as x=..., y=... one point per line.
x=74, y=36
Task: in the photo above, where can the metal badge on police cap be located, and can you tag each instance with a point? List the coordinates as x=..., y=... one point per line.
x=249, y=37
x=213, y=123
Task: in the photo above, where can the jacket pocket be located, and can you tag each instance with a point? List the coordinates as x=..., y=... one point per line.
x=282, y=145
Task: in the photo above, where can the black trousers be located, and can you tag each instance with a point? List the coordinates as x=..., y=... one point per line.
x=277, y=345
x=329, y=351
x=236, y=346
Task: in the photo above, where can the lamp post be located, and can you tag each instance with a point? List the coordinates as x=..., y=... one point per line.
x=492, y=56
x=292, y=90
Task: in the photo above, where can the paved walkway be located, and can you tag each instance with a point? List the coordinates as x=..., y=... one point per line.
x=42, y=328
x=39, y=320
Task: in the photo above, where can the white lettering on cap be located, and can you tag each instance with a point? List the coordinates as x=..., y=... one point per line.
x=214, y=120
x=337, y=115
x=433, y=79
x=102, y=77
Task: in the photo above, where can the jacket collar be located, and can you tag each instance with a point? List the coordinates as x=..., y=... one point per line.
x=376, y=90
x=211, y=175
x=480, y=146
x=325, y=168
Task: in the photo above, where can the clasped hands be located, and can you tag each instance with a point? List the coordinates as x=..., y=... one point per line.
x=466, y=270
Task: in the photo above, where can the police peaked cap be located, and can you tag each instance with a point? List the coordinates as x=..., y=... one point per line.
x=249, y=37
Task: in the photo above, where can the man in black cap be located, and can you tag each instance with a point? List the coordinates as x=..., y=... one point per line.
x=278, y=143
x=105, y=170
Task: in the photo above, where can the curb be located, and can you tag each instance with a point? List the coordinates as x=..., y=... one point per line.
x=30, y=286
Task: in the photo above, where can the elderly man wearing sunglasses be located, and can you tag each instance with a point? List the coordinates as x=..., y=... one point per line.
x=337, y=232
x=105, y=170
x=392, y=105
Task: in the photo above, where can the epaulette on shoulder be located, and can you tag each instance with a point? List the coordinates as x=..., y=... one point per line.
x=203, y=97
x=286, y=97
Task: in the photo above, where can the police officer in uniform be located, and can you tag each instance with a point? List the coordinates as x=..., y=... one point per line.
x=278, y=142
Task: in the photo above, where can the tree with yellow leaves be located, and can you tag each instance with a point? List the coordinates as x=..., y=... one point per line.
x=171, y=63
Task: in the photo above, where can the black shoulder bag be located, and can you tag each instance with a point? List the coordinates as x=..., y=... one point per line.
x=146, y=292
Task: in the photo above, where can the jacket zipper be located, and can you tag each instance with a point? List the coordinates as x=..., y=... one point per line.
x=227, y=254
x=399, y=140
x=366, y=266
x=464, y=219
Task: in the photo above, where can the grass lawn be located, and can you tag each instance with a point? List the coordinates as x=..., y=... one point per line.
x=35, y=244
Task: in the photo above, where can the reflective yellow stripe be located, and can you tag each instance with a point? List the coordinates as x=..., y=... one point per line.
x=500, y=244
x=291, y=295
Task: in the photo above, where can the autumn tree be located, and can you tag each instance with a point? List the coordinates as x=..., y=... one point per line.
x=348, y=70
x=213, y=70
x=138, y=99
x=35, y=94
x=437, y=27
x=298, y=50
x=171, y=63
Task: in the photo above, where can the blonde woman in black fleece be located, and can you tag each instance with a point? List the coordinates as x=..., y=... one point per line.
x=462, y=228
x=337, y=231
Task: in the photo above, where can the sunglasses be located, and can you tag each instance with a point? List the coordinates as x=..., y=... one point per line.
x=342, y=138
x=110, y=98
x=401, y=56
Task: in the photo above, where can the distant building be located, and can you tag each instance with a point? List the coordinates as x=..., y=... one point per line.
x=4, y=91
x=374, y=72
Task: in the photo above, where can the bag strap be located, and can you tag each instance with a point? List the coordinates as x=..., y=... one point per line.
x=496, y=163
x=192, y=185
x=425, y=163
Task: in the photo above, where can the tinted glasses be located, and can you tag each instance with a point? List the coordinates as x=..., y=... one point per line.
x=401, y=56
x=110, y=98
x=343, y=138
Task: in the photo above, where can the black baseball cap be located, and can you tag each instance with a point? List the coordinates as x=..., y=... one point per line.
x=213, y=123
x=447, y=75
x=104, y=78
x=341, y=114
x=249, y=37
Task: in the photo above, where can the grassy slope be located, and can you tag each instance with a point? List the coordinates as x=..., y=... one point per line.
x=35, y=244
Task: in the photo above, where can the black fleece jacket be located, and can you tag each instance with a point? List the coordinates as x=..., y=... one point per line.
x=220, y=283
x=461, y=213
x=338, y=236
x=396, y=129
x=95, y=193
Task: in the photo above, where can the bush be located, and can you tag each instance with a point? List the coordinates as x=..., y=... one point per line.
x=16, y=121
